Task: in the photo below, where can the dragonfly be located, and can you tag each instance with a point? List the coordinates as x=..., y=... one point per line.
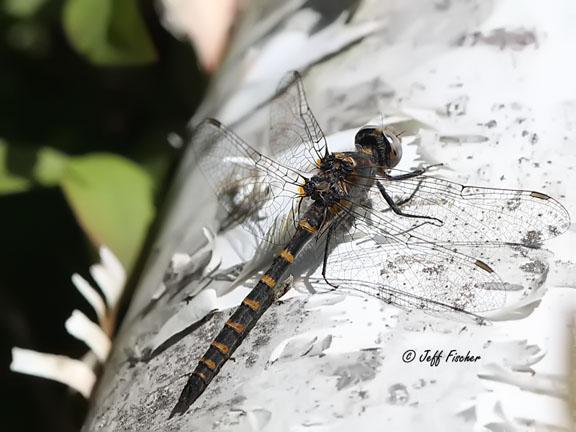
x=385, y=233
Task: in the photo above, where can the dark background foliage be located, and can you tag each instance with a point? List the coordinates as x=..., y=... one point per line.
x=90, y=90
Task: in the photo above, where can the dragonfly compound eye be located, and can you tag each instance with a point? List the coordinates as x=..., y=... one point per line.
x=392, y=148
x=382, y=145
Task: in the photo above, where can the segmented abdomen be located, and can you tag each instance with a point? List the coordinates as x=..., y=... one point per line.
x=247, y=314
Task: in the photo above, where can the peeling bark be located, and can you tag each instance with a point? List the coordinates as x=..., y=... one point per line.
x=466, y=80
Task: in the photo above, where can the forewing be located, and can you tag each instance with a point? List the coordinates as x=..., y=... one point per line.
x=469, y=215
x=256, y=191
x=296, y=139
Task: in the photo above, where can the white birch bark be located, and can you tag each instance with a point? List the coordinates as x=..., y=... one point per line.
x=485, y=87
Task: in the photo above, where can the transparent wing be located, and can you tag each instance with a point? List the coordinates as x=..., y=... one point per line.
x=468, y=214
x=256, y=191
x=296, y=139
x=416, y=276
x=415, y=263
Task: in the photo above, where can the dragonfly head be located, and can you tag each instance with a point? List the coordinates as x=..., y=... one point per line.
x=382, y=145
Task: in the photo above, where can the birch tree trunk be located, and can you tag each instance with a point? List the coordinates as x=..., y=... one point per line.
x=485, y=87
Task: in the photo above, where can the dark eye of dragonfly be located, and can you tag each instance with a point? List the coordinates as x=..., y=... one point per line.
x=382, y=145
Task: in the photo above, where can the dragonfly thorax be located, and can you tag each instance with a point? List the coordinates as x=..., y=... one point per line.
x=328, y=186
x=340, y=164
x=382, y=145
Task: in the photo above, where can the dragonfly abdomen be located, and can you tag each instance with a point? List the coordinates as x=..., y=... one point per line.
x=247, y=314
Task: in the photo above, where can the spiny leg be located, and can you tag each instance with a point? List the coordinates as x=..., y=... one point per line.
x=403, y=201
x=329, y=234
x=411, y=174
x=324, y=218
x=396, y=209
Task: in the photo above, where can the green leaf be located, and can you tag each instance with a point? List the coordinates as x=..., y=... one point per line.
x=50, y=166
x=22, y=168
x=112, y=198
x=22, y=8
x=108, y=32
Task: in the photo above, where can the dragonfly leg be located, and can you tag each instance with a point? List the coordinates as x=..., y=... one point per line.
x=403, y=201
x=326, y=252
x=396, y=209
x=412, y=174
